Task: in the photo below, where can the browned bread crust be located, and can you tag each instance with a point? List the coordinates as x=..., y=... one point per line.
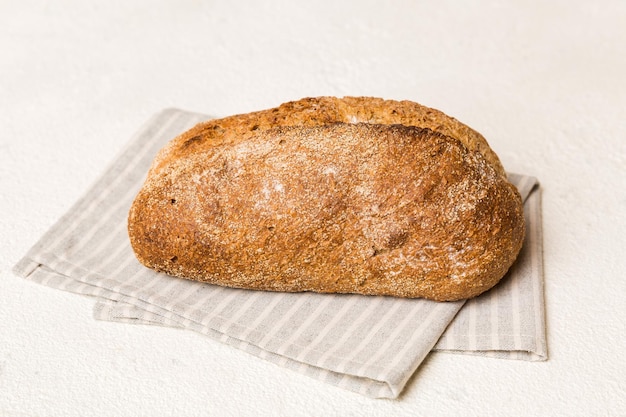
x=348, y=208
x=316, y=111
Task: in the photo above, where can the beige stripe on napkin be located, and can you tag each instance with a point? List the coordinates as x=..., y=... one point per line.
x=370, y=345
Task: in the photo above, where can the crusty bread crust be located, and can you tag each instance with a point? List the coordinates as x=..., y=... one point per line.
x=328, y=207
x=317, y=111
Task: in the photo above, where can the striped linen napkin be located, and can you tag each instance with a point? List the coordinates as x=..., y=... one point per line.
x=367, y=344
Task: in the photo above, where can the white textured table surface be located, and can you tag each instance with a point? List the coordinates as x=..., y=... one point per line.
x=543, y=81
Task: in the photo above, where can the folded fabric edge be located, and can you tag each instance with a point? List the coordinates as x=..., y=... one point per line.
x=25, y=267
x=120, y=312
x=529, y=355
x=525, y=184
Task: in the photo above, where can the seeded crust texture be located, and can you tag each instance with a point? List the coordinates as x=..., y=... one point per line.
x=352, y=195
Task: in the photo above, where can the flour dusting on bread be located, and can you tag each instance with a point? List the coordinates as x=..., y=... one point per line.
x=308, y=197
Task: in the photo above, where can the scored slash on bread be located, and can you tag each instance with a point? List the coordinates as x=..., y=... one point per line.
x=335, y=195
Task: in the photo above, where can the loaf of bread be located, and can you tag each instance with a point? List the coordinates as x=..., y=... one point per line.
x=352, y=195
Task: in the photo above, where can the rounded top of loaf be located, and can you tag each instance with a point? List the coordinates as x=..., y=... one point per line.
x=317, y=111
